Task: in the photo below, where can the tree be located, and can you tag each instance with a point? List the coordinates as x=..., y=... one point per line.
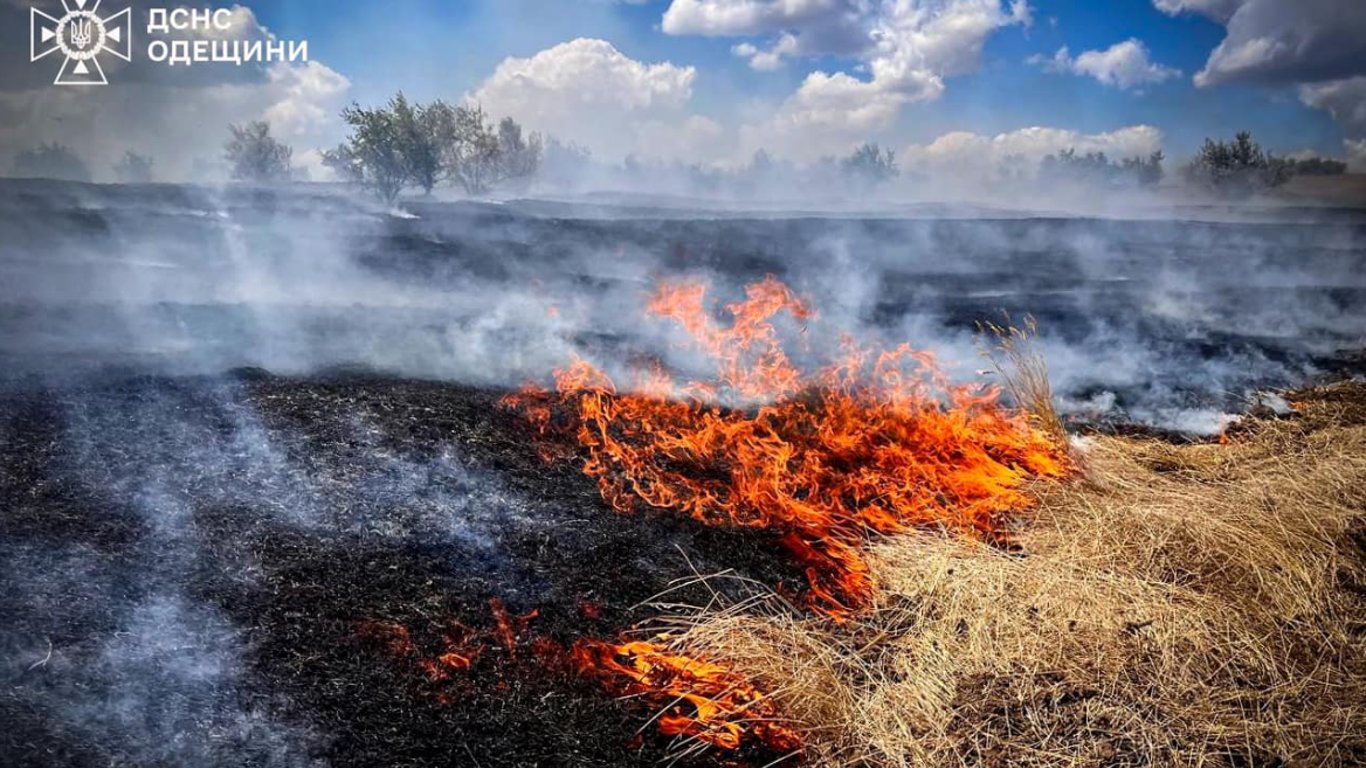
x=51, y=161
x=1145, y=172
x=134, y=168
x=409, y=144
x=870, y=163
x=469, y=148
x=518, y=157
x=373, y=156
x=1097, y=168
x=416, y=127
x=254, y=155
x=1237, y=167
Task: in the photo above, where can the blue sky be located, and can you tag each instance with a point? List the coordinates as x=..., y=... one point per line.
x=445, y=49
x=951, y=85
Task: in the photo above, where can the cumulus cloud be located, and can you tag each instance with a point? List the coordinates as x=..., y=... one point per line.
x=973, y=156
x=176, y=115
x=1344, y=99
x=767, y=60
x=1273, y=42
x=1123, y=65
x=588, y=92
x=725, y=18
x=905, y=50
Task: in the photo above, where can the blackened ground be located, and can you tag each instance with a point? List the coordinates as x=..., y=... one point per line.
x=187, y=568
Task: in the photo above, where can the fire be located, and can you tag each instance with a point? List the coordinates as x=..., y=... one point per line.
x=876, y=442
x=701, y=700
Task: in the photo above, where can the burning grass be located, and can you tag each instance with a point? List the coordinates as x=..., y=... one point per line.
x=705, y=702
x=876, y=442
x=1183, y=605
x=1177, y=605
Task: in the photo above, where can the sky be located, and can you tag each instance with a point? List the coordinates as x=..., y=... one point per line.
x=946, y=83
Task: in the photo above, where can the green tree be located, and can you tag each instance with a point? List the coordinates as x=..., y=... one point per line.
x=373, y=156
x=1238, y=167
x=409, y=144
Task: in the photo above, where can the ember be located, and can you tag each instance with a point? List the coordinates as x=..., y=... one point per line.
x=877, y=442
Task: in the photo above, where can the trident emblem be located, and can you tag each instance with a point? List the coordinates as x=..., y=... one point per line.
x=81, y=35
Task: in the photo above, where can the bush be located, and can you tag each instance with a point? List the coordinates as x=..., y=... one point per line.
x=51, y=161
x=253, y=155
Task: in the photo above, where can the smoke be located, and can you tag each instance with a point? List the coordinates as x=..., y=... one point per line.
x=118, y=647
x=1164, y=312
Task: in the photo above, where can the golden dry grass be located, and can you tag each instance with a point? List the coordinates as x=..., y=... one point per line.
x=1177, y=605
x=1024, y=374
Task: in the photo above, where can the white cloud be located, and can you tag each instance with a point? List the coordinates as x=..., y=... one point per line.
x=772, y=58
x=588, y=92
x=971, y=156
x=1277, y=42
x=307, y=95
x=1344, y=99
x=1219, y=10
x=1123, y=65
x=726, y=18
x=905, y=49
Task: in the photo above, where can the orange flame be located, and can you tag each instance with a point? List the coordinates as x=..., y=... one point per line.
x=876, y=442
x=701, y=700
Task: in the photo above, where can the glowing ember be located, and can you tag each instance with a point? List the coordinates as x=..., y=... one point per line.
x=701, y=700
x=878, y=441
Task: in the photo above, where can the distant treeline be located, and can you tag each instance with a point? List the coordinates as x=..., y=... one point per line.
x=1236, y=167
x=405, y=145
x=1095, y=167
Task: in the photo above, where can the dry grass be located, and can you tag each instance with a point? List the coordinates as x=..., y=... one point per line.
x=1179, y=605
x=1024, y=375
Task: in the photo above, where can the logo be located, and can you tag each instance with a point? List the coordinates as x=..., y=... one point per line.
x=81, y=36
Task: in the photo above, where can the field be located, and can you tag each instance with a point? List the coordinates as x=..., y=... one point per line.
x=265, y=498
